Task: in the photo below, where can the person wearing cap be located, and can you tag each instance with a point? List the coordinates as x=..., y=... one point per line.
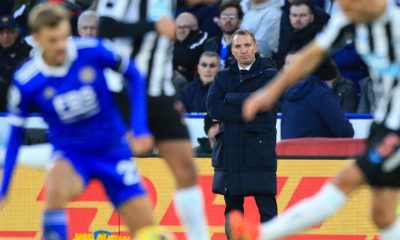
x=211, y=128
x=13, y=51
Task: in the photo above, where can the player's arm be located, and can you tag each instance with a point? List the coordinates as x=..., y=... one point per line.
x=265, y=98
x=111, y=23
x=141, y=141
x=15, y=140
x=109, y=28
x=137, y=94
x=338, y=29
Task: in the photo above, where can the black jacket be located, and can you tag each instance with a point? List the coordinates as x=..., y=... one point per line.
x=243, y=157
x=214, y=45
x=187, y=53
x=286, y=33
x=10, y=59
x=346, y=93
x=193, y=96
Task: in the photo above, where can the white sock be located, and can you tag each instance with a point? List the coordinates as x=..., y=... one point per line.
x=305, y=214
x=189, y=205
x=392, y=232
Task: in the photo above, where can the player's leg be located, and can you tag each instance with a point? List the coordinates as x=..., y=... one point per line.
x=179, y=157
x=384, y=202
x=173, y=143
x=138, y=215
x=62, y=184
x=232, y=203
x=306, y=213
x=188, y=199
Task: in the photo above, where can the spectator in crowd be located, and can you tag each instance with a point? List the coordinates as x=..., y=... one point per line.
x=211, y=128
x=230, y=18
x=243, y=156
x=87, y=24
x=206, y=13
x=311, y=109
x=341, y=86
x=262, y=18
x=188, y=46
x=13, y=51
x=301, y=29
x=367, y=103
x=193, y=95
x=350, y=64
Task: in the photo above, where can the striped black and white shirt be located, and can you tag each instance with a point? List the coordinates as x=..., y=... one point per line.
x=131, y=25
x=378, y=43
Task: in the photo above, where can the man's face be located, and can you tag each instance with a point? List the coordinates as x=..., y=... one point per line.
x=244, y=49
x=8, y=36
x=53, y=41
x=184, y=24
x=362, y=11
x=88, y=27
x=300, y=17
x=208, y=68
x=229, y=21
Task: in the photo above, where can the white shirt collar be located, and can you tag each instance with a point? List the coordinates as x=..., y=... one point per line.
x=246, y=68
x=59, y=71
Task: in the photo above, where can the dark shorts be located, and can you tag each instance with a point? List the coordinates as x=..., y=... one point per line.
x=380, y=162
x=165, y=119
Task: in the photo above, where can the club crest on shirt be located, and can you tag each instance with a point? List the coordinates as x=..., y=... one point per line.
x=49, y=92
x=87, y=74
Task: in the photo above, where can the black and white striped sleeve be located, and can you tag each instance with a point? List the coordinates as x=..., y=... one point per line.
x=337, y=31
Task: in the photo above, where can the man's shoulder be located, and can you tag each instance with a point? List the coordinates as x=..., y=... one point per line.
x=226, y=72
x=27, y=72
x=212, y=44
x=86, y=43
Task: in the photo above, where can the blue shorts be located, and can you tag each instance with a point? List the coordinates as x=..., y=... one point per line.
x=113, y=167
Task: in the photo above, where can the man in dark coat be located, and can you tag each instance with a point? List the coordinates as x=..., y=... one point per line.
x=13, y=51
x=243, y=156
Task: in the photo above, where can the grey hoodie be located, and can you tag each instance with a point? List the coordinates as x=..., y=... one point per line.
x=263, y=20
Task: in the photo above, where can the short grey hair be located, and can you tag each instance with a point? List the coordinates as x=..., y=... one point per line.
x=88, y=14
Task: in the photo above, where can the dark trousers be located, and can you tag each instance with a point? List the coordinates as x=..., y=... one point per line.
x=266, y=204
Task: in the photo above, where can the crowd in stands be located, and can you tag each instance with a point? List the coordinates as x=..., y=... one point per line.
x=203, y=47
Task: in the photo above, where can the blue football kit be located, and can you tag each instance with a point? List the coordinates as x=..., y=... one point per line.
x=85, y=126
